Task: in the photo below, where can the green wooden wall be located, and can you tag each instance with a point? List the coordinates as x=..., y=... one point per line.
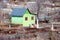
x=17, y=20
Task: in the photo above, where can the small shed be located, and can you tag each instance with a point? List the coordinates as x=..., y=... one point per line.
x=22, y=16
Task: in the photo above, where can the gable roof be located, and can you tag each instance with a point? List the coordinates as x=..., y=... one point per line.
x=18, y=11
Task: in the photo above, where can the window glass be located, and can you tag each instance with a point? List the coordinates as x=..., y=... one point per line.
x=26, y=18
x=32, y=18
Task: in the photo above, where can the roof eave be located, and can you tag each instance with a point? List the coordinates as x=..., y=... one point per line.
x=16, y=16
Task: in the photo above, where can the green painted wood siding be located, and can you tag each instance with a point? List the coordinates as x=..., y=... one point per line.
x=17, y=20
x=29, y=21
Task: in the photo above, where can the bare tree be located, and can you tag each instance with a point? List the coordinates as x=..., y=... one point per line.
x=38, y=10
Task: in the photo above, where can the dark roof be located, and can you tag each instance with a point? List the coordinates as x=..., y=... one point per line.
x=18, y=12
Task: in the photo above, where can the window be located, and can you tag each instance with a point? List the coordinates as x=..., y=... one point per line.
x=32, y=18
x=26, y=18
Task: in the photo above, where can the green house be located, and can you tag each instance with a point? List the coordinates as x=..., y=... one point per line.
x=22, y=16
